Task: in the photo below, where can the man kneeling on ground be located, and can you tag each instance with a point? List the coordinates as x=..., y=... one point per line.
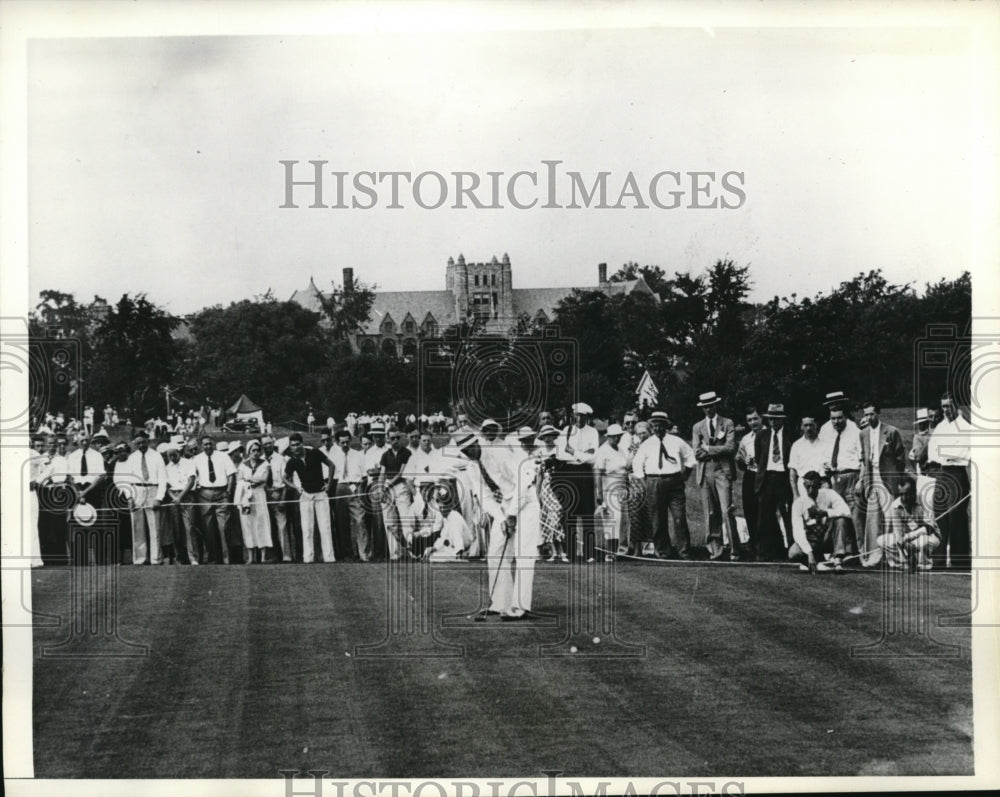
x=819, y=526
x=913, y=536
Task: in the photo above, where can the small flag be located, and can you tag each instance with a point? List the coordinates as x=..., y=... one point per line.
x=647, y=391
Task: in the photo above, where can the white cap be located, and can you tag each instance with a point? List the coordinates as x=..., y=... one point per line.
x=615, y=430
x=582, y=409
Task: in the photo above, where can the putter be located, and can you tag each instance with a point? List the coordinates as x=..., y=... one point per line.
x=481, y=616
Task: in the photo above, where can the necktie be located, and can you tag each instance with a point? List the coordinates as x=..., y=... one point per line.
x=83, y=464
x=836, y=451
x=711, y=429
x=494, y=487
x=270, y=477
x=775, y=450
x=145, y=468
x=211, y=471
x=665, y=455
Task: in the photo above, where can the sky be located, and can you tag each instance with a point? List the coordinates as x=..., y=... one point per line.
x=154, y=162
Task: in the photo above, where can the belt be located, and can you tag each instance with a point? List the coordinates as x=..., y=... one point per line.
x=662, y=475
x=844, y=472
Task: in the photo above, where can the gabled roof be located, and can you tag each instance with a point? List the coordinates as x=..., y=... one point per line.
x=417, y=304
x=309, y=298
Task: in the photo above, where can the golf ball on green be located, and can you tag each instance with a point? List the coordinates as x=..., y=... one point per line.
x=572, y=649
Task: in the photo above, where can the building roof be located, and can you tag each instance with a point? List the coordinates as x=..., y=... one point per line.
x=441, y=304
x=396, y=304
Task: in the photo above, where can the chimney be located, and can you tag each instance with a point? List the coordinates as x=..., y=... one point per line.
x=602, y=273
x=348, y=280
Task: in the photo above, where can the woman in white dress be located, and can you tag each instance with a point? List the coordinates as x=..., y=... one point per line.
x=251, y=496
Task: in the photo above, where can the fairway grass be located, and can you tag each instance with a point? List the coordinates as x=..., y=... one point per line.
x=735, y=670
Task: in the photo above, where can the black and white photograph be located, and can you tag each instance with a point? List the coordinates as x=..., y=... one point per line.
x=489, y=399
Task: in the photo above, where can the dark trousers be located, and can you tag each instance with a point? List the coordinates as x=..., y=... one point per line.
x=214, y=512
x=953, y=485
x=666, y=494
x=575, y=486
x=750, y=509
x=775, y=496
x=53, y=528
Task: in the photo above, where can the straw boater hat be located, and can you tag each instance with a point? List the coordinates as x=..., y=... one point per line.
x=923, y=416
x=660, y=415
x=580, y=408
x=836, y=397
x=775, y=411
x=547, y=431
x=378, y=428
x=489, y=422
x=615, y=430
x=708, y=399
x=84, y=514
x=465, y=439
x=525, y=433
x=222, y=446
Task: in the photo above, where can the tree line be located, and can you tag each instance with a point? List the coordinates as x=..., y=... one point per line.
x=700, y=333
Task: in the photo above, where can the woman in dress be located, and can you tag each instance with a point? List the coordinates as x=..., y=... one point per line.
x=551, y=509
x=251, y=496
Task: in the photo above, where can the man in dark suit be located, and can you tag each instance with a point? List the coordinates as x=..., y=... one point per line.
x=883, y=460
x=714, y=442
x=774, y=491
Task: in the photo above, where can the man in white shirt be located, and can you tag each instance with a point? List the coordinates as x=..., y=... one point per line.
x=836, y=400
x=510, y=497
x=179, y=513
x=54, y=488
x=774, y=493
x=577, y=446
x=216, y=477
x=86, y=467
x=372, y=503
x=808, y=453
x=819, y=526
x=948, y=457
x=842, y=464
x=664, y=462
x=144, y=481
x=349, y=515
x=746, y=461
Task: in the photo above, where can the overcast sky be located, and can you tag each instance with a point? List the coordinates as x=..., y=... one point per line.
x=154, y=162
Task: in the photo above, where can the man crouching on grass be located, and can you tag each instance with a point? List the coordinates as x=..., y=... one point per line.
x=819, y=526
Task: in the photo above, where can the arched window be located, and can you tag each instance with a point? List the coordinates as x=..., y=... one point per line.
x=389, y=347
x=410, y=347
x=368, y=346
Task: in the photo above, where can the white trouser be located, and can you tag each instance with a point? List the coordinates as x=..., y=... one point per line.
x=143, y=516
x=320, y=504
x=512, y=587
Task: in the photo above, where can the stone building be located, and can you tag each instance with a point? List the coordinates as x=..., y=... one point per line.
x=481, y=291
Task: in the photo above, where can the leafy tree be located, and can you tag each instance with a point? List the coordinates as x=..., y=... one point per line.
x=273, y=351
x=348, y=309
x=134, y=355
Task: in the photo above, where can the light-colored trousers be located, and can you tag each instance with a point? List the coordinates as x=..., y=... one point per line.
x=318, y=503
x=900, y=554
x=393, y=512
x=720, y=513
x=144, y=519
x=512, y=569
